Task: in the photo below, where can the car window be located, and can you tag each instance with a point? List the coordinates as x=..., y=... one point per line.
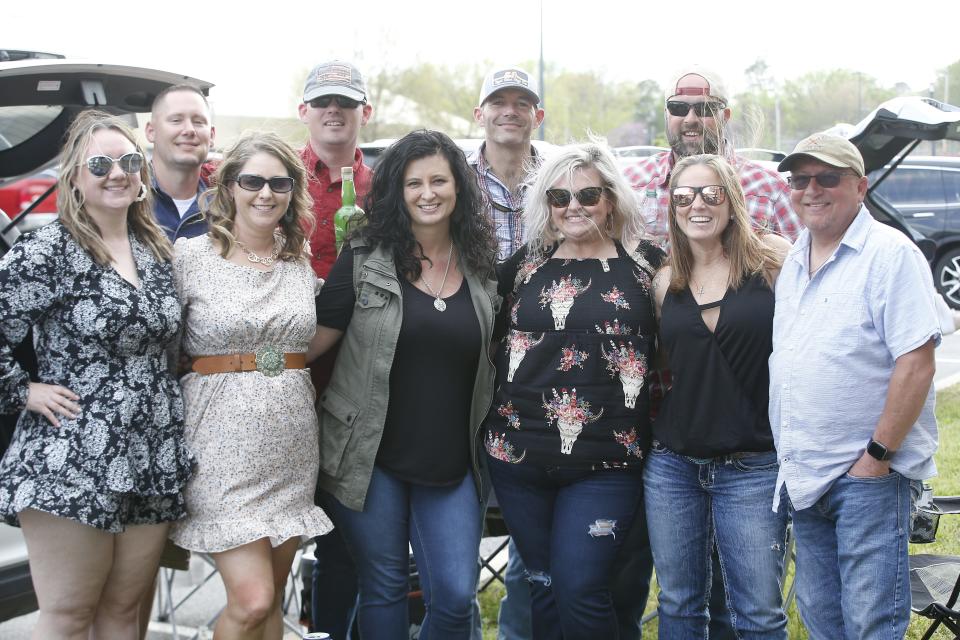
x=21, y=122
x=951, y=186
x=913, y=185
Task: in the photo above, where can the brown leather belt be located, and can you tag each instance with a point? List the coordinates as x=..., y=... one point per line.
x=238, y=362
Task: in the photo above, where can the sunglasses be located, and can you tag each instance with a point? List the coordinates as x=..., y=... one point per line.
x=342, y=101
x=587, y=197
x=278, y=184
x=101, y=166
x=827, y=180
x=712, y=194
x=680, y=109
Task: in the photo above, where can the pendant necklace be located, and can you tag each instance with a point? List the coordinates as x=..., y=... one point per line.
x=438, y=302
x=256, y=259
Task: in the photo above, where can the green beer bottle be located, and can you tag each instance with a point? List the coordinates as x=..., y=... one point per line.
x=348, y=208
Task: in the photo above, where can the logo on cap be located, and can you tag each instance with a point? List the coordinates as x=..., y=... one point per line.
x=334, y=74
x=813, y=143
x=511, y=77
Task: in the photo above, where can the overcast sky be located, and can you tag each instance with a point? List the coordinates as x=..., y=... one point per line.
x=256, y=52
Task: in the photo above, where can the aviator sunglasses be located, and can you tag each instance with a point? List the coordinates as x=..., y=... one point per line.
x=101, y=166
x=587, y=197
x=343, y=101
x=712, y=194
x=680, y=109
x=827, y=180
x=278, y=184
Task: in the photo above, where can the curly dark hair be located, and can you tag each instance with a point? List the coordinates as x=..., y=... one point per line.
x=386, y=221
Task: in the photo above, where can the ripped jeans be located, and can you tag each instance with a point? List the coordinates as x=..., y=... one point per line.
x=568, y=525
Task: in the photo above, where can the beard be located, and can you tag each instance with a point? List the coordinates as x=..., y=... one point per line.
x=710, y=142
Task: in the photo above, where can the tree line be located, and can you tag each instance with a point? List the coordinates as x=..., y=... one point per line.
x=766, y=114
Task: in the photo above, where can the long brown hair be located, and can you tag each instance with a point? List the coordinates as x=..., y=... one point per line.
x=221, y=211
x=742, y=245
x=70, y=200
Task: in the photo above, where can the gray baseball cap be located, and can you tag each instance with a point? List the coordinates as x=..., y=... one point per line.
x=509, y=78
x=335, y=78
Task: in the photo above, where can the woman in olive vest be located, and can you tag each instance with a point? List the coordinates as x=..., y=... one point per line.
x=413, y=299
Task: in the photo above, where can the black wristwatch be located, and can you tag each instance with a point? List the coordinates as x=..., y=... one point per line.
x=879, y=450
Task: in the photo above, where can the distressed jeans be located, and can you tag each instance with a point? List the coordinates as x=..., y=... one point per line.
x=443, y=525
x=853, y=572
x=568, y=525
x=692, y=504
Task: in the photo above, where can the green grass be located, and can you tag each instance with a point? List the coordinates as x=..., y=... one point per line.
x=948, y=535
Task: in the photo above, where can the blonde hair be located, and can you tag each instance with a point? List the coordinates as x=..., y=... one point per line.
x=220, y=209
x=747, y=253
x=624, y=215
x=70, y=200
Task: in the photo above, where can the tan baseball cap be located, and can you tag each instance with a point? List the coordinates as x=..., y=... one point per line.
x=827, y=148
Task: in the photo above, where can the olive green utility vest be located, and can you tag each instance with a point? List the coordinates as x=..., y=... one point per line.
x=353, y=407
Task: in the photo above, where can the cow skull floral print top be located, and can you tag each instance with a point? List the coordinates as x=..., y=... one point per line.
x=572, y=368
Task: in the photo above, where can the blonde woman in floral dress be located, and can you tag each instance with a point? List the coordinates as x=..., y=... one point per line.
x=247, y=291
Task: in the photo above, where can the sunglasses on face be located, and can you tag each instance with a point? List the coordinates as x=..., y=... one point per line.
x=587, y=197
x=343, y=101
x=680, y=109
x=101, y=166
x=278, y=184
x=712, y=194
x=827, y=180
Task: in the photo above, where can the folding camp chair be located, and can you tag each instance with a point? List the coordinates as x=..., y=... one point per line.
x=935, y=579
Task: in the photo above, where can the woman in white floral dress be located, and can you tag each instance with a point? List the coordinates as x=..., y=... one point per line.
x=247, y=291
x=97, y=464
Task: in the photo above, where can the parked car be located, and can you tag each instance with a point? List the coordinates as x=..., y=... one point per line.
x=900, y=183
x=40, y=96
x=639, y=151
x=926, y=190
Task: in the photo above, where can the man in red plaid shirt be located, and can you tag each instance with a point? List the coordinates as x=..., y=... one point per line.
x=697, y=112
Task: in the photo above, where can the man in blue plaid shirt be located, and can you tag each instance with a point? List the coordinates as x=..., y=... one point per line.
x=509, y=112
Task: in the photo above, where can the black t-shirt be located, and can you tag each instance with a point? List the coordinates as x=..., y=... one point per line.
x=426, y=432
x=718, y=402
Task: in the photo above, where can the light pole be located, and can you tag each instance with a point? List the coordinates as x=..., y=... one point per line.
x=543, y=88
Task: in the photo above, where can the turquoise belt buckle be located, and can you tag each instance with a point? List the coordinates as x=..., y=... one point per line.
x=270, y=361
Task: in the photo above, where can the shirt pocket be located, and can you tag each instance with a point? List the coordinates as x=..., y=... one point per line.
x=373, y=296
x=838, y=317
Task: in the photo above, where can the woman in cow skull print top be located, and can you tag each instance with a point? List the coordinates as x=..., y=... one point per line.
x=569, y=425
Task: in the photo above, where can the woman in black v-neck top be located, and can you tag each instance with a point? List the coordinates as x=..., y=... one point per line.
x=712, y=467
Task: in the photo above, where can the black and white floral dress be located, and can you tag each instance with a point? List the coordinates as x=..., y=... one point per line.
x=123, y=460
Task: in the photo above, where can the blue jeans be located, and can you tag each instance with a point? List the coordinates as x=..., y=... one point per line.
x=568, y=526
x=513, y=620
x=692, y=505
x=853, y=574
x=333, y=601
x=443, y=525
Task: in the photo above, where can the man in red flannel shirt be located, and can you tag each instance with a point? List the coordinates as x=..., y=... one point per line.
x=697, y=112
x=334, y=108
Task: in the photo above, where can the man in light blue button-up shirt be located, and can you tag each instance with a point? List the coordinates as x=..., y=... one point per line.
x=851, y=396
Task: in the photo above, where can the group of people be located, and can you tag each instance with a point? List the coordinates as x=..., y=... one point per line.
x=640, y=367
